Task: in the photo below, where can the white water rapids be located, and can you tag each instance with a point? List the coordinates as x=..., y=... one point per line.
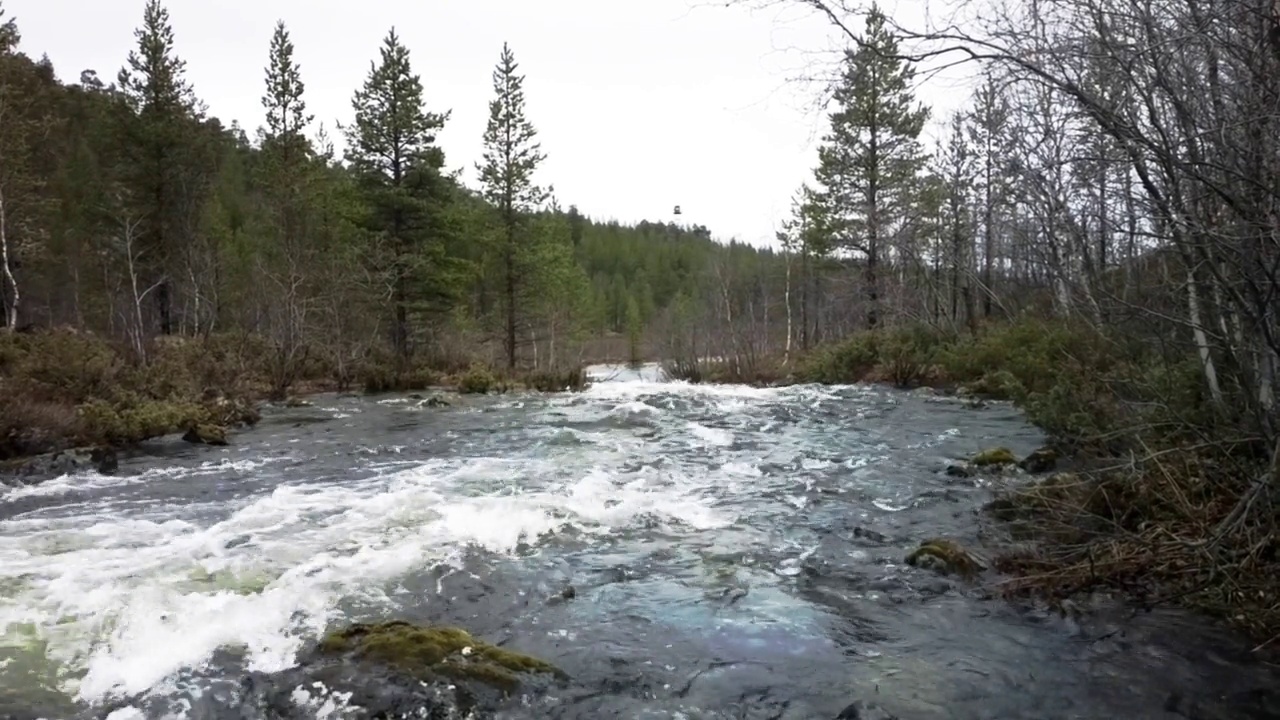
x=721, y=538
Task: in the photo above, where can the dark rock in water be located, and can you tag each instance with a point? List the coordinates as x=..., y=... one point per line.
x=569, y=593
x=1040, y=461
x=870, y=535
x=65, y=462
x=864, y=711
x=957, y=471
x=415, y=396
x=205, y=434
x=434, y=401
x=296, y=402
x=1001, y=509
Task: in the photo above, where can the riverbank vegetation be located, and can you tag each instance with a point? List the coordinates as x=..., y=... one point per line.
x=1094, y=238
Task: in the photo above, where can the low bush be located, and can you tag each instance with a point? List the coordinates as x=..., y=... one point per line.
x=573, y=379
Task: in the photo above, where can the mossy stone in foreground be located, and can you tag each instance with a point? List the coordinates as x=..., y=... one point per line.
x=431, y=652
x=994, y=456
x=945, y=556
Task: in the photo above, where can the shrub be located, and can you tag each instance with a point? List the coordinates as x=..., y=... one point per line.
x=477, y=380
x=848, y=361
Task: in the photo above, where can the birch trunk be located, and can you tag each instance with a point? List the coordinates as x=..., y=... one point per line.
x=11, y=318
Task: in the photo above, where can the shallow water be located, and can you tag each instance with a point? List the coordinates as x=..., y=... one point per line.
x=736, y=553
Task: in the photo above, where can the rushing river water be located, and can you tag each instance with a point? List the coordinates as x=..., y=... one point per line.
x=734, y=552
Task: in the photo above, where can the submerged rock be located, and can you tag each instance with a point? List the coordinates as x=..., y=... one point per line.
x=435, y=653
x=864, y=711
x=946, y=557
x=206, y=434
x=296, y=402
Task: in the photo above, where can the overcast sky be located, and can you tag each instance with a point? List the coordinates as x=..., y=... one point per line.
x=640, y=104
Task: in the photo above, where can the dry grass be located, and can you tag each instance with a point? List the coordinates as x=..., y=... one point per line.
x=1190, y=526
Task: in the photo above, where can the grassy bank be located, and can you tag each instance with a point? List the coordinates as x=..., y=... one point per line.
x=64, y=388
x=1164, y=515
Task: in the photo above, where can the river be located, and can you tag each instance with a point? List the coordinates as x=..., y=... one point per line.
x=733, y=552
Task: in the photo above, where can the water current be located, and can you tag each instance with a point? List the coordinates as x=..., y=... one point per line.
x=734, y=553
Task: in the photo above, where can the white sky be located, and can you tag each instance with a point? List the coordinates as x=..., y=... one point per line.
x=640, y=104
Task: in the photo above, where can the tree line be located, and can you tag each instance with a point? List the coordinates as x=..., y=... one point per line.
x=127, y=209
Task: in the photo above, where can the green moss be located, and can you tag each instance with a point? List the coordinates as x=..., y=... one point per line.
x=427, y=652
x=994, y=456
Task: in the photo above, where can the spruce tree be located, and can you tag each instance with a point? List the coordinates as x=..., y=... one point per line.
x=159, y=144
x=869, y=160
x=393, y=150
x=287, y=116
x=511, y=156
x=286, y=150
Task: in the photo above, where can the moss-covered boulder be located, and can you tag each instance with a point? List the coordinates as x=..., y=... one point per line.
x=994, y=457
x=432, y=653
x=946, y=557
x=206, y=434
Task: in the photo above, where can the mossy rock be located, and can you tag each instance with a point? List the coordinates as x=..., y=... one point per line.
x=433, y=652
x=994, y=456
x=946, y=557
x=296, y=402
x=205, y=434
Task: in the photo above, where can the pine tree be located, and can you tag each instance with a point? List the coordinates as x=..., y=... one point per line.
x=159, y=138
x=287, y=116
x=511, y=157
x=868, y=163
x=393, y=150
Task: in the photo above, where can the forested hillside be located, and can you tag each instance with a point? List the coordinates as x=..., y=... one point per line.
x=132, y=212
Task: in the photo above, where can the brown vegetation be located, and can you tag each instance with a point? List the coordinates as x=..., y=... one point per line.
x=67, y=388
